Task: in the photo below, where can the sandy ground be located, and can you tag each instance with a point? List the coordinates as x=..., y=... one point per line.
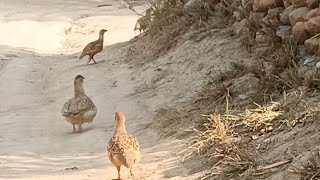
x=40, y=41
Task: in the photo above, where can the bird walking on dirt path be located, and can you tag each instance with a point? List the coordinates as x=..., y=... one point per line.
x=94, y=47
x=123, y=148
x=79, y=109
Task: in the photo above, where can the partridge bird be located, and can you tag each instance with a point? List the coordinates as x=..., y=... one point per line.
x=143, y=23
x=79, y=109
x=94, y=47
x=123, y=148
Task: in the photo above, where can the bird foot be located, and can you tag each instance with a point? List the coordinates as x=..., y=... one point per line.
x=117, y=179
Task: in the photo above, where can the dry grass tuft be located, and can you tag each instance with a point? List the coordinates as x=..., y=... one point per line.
x=169, y=116
x=217, y=131
x=212, y=95
x=291, y=78
x=239, y=162
x=257, y=119
x=224, y=129
x=310, y=170
x=168, y=121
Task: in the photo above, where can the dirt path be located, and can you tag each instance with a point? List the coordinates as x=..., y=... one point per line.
x=36, y=141
x=37, y=68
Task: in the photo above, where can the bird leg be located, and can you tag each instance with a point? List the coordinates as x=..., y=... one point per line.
x=89, y=60
x=74, y=128
x=131, y=173
x=118, y=169
x=94, y=60
x=80, y=128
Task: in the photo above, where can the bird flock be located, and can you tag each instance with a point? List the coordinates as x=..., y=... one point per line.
x=123, y=148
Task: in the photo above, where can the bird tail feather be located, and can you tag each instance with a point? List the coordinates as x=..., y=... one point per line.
x=82, y=55
x=137, y=26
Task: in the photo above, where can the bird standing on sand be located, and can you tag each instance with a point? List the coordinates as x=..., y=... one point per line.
x=143, y=22
x=123, y=148
x=94, y=47
x=79, y=109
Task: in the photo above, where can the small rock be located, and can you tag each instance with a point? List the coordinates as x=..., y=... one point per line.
x=284, y=16
x=275, y=12
x=313, y=13
x=318, y=65
x=313, y=26
x=73, y=168
x=268, y=140
x=300, y=33
x=257, y=16
x=313, y=3
x=284, y=32
x=158, y=69
x=298, y=15
x=200, y=67
x=114, y=84
x=313, y=45
x=254, y=137
x=287, y=3
x=308, y=60
x=299, y=3
x=264, y=5
x=245, y=86
x=192, y=5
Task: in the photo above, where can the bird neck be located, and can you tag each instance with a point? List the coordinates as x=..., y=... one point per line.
x=78, y=90
x=121, y=128
x=100, y=37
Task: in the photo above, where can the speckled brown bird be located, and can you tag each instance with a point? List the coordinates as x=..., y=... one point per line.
x=143, y=22
x=94, y=47
x=123, y=148
x=79, y=109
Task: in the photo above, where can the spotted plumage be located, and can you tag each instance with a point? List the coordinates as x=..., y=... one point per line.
x=80, y=109
x=123, y=148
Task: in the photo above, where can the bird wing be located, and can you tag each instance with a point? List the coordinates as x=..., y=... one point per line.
x=92, y=47
x=126, y=148
x=77, y=106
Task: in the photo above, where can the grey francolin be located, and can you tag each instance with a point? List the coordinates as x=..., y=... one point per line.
x=123, y=148
x=94, y=47
x=143, y=22
x=79, y=109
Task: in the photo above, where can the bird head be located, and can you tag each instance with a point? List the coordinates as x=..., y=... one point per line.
x=102, y=31
x=79, y=79
x=120, y=118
